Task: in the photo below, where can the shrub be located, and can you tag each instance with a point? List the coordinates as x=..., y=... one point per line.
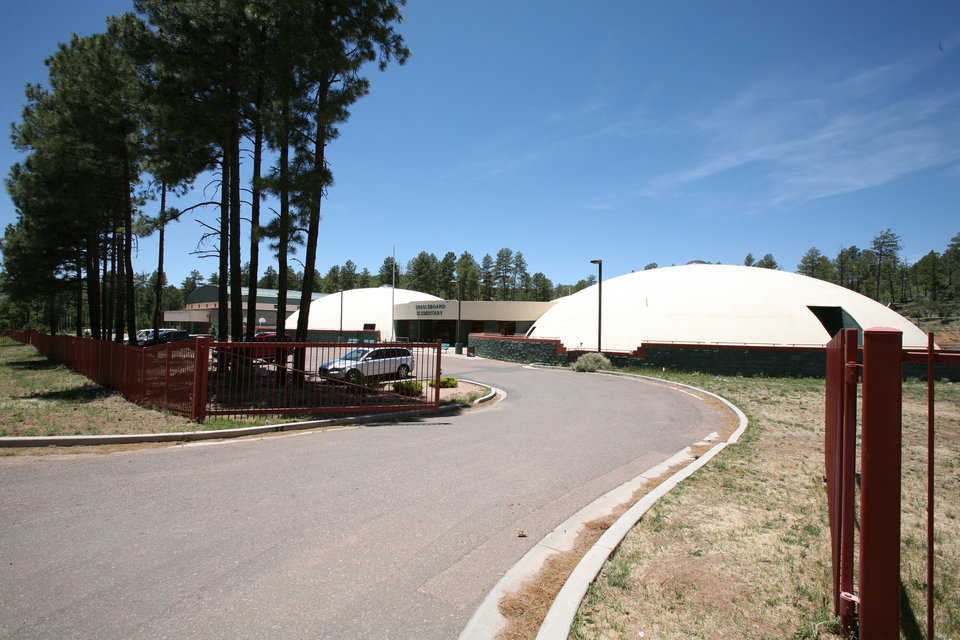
x=591, y=362
x=408, y=387
x=447, y=382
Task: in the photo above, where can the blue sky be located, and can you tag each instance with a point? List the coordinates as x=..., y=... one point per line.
x=632, y=132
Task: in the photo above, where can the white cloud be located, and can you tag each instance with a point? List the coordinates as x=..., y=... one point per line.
x=804, y=144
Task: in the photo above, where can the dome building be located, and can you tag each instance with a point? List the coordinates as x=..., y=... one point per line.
x=715, y=305
x=367, y=311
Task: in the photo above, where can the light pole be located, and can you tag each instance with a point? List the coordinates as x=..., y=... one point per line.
x=599, y=264
x=458, y=346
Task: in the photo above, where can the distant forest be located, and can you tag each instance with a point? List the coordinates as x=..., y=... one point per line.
x=929, y=287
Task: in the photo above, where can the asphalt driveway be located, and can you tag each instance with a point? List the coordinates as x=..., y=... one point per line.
x=379, y=531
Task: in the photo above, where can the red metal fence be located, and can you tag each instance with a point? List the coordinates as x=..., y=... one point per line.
x=321, y=378
x=199, y=377
x=878, y=595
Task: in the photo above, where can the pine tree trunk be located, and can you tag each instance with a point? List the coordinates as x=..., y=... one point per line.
x=236, y=291
x=114, y=295
x=255, y=216
x=158, y=306
x=79, y=316
x=283, y=235
x=106, y=310
x=120, y=291
x=128, y=249
x=93, y=283
x=222, y=301
x=313, y=229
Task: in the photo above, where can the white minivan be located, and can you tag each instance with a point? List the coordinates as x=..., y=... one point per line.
x=369, y=363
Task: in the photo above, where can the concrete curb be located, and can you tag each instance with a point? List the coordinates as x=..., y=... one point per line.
x=189, y=436
x=487, y=621
x=490, y=395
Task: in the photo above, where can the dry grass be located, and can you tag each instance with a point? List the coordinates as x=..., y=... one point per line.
x=946, y=332
x=41, y=398
x=740, y=550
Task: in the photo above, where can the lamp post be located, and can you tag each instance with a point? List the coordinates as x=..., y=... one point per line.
x=599, y=264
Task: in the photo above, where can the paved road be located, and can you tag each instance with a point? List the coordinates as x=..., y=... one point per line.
x=382, y=531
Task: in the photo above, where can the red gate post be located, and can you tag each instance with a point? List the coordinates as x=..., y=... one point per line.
x=848, y=429
x=833, y=421
x=436, y=379
x=931, y=375
x=880, y=492
x=166, y=377
x=201, y=362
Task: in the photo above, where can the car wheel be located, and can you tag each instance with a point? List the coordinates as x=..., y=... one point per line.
x=354, y=377
x=403, y=371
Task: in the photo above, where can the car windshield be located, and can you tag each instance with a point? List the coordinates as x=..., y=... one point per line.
x=356, y=354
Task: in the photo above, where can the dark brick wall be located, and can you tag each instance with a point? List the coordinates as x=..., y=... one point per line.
x=726, y=361
x=788, y=363
x=517, y=350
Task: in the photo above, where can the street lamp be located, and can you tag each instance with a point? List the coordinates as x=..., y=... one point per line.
x=458, y=346
x=599, y=264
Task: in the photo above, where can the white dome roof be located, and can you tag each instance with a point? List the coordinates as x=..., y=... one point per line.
x=722, y=304
x=360, y=307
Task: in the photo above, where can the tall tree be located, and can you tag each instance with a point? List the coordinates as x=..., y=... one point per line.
x=816, y=265
x=886, y=245
x=422, y=272
x=542, y=287
x=269, y=279
x=503, y=274
x=929, y=275
x=951, y=260
x=487, y=277
x=191, y=282
x=348, y=276
x=767, y=262
x=386, y=274
x=446, y=276
x=351, y=34
x=468, y=275
x=521, y=278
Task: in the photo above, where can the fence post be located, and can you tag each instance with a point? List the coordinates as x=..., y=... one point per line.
x=436, y=379
x=880, y=491
x=848, y=472
x=833, y=421
x=166, y=378
x=201, y=360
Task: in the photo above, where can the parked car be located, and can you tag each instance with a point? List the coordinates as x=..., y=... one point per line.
x=165, y=336
x=145, y=335
x=266, y=351
x=368, y=363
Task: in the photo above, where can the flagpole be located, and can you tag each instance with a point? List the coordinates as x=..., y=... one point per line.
x=393, y=288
